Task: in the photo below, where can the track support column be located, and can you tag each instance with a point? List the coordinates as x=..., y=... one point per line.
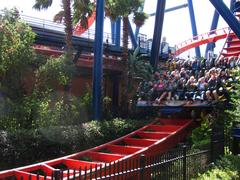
x=118, y=32
x=159, y=18
x=194, y=26
x=210, y=46
x=132, y=36
x=98, y=54
x=113, y=31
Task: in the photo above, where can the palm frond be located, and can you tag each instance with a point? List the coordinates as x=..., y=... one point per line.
x=59, y=17
x=82, y=10
x=42, y=4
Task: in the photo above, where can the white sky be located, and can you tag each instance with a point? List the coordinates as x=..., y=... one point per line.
x=177, y=27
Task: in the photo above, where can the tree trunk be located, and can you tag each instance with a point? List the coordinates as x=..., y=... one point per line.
x=125, y=39
x=124, y=95
x=68, y=40
x=68, y=27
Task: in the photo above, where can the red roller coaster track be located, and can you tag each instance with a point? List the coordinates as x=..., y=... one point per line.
x=155, y=138
x=201, y=39
x=78, y=30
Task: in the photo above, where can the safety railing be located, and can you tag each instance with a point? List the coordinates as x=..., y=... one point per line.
x=88, y=34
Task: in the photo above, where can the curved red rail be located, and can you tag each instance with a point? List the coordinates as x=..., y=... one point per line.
x=201, y=39
x=78, y=30
x=155, y=138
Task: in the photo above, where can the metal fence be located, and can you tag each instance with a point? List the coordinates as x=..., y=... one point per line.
x=181, y=163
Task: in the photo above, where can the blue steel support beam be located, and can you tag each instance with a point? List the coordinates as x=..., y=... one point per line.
x=172, y=9
x=118, y=33
x=159, y=18
x=166, y=11
x=113, y=31
x=211, y=46
x=194, y=26
x=133, y=40
x=227, y=15
x=176, y=8
x=98, y=54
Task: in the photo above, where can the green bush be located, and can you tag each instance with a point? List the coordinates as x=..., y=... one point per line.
x=22, y=147
x=201, y=135
x=231, y=162
x=228, y=167
x=218, y=174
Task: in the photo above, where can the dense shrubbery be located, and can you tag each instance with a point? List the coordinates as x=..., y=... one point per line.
x=27, y=146
x=226, y=168
x=28, y=96
x=201, y=135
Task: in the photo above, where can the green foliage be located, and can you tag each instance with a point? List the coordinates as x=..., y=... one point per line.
x=82, y=10
x=230, y=162
x=218, y=174
x=23, y=147
x=42, y=4
x=228, y=167
x=107, y=109
x=27, y=81
x=201, y=135
x=233, y=114
x=52, y=111
x=86, y=99
x=56, y=70
x=86, y=105
x=35, y=110
x=140, y=18
x=117, y=8
x=139, y=66
x=16, y=53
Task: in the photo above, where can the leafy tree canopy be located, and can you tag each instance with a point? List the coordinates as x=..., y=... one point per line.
x=116, y=8
x=16, y=54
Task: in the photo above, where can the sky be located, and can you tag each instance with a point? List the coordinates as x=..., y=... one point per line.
x=176, y=28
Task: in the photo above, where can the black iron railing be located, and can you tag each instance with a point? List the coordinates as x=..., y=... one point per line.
x=181, y=163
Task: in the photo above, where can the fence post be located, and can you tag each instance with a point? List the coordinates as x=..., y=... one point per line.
x=217, y=143
x=57, y=174
x=142, y=166
x=184, y=162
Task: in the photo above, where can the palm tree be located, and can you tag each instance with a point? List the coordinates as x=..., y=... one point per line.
x=123, y=8
x=81, y=10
